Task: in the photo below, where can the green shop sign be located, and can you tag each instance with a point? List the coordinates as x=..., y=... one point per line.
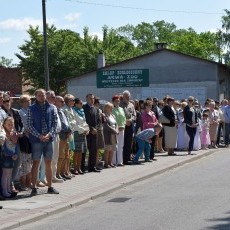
x=122, y=78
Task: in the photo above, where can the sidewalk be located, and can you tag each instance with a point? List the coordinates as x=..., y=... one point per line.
x=83, y=188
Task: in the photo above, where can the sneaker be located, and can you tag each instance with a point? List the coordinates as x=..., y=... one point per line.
x=57, y=180
x=52, y=190
x=34, y=192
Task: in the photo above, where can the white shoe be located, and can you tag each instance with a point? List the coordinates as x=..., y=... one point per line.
x=56, y=180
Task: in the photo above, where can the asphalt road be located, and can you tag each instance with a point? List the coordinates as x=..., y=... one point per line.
x=194, y=196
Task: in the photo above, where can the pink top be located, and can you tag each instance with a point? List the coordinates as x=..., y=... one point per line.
x=148, y=119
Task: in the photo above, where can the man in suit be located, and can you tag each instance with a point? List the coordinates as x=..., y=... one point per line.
x=92, y=119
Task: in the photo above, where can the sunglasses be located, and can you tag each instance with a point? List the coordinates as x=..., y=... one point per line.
x=6, y=101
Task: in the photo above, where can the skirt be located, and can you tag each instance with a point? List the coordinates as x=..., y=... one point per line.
x=213, y=131
x=170, y=137
x=80, y=143
x=100, y=139
x=112, y=147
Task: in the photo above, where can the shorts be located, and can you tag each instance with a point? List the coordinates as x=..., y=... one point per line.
x=26, y=164
x=42, y=148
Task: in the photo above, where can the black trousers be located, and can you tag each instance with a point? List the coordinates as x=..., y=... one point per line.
x=220, y=127
x=191, y=133
x=92, y=147
x=128, y=138
x=152, y=150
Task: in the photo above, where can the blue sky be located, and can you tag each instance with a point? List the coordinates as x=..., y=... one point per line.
x=16, y=15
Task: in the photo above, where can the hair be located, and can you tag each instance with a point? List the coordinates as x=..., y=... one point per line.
x=77, y=100
x=23, y=98
x=115, y=97
x=212, y=103
x=97, y=100
x=6, y=96
x=170, y=99
x=49, y=93
x=6, y=119
x=147, y=103
x=89, y=95
x=177, y=103
x=183, y=104
x=39, y=91
x=160, y=102
x=149, y=99
x=68, y=97
x=126, y=92
x=107, y=105
x=205, y=115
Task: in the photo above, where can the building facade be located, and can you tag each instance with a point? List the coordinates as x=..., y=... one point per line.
x=169, y=73
x=11, y=80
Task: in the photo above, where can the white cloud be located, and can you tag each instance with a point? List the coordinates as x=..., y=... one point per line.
x=215, y=30
x=21, y=24
x=4, y=40
x=72, y=17
x=97, y=34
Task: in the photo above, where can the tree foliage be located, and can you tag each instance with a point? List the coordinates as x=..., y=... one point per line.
x=6, y=62
x=71, y=55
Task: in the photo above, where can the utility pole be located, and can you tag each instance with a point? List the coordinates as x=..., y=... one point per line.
x=46, y=62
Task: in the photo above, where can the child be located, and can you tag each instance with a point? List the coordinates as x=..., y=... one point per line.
x=143, y=140
x=8, y=156
x=204, y=136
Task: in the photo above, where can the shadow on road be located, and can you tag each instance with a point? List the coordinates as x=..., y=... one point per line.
x=225, y=225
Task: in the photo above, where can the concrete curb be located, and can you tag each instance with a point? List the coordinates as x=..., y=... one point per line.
x=45, y=213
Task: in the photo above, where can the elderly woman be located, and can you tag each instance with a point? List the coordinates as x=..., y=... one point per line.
x=170, y=129
x=119, y=114
x=214, y=119
x=110, y=131
x=68, y=109
x=81, y=130
x=191, y=121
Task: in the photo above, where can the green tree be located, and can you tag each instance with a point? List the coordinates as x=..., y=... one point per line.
x=201, y=45
x=226, y=35
x=116, y=47
x=64, y=47
x=144, y=35
x=8, y=63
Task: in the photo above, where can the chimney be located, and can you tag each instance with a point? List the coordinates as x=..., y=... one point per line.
x=160, y=45
x=100, y=60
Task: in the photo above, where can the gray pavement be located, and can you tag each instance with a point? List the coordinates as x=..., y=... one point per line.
x=81, y=189
x=193, y=197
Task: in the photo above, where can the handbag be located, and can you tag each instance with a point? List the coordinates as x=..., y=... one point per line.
x=85, y=126
x=163, y=119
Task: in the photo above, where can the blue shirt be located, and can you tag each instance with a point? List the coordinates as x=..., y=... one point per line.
x=227, y=114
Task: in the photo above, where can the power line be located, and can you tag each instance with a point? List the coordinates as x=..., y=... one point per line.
x=144, y=9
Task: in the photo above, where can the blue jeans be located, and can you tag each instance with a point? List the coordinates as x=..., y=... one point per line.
x=142, y=146
x=226, y=134
x=42, y=148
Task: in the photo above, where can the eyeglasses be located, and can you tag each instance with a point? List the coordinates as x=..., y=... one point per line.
x=7, y=101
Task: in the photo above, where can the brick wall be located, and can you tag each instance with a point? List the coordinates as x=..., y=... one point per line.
x=11, y=80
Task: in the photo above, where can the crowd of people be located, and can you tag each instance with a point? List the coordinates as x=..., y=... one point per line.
x=55, y=138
